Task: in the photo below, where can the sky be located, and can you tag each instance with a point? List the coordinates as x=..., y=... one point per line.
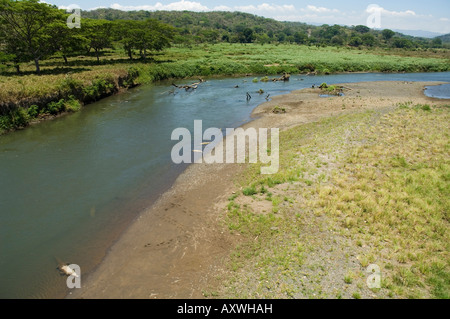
x=430, y=15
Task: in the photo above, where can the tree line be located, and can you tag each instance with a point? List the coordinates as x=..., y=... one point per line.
x=33, y=31
x=238, y=27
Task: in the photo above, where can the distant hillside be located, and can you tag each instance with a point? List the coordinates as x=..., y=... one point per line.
x=187, y=19
x=445, y=38
x=419, y=33
x=235, y=27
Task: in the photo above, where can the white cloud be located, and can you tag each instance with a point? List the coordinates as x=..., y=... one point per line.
x=174, y=6
x=373, y=9
x=265, y=7
x=222, y=8
x=69, y=7
x=318, y=9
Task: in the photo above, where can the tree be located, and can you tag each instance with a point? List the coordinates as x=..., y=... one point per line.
x=368, y=39
x=247, y=36
x=12, y=54
x=66, y=41
x=328, y=32
x=436, y=43
x=210, y=35
x=281, y=37
x=387, y=34
x=162, y=34
x=362, y=29
x=402, y=43
x=26, y=27
x=146, y=36
x=355, y=41
x=124, y=31
x=337, y=40
x=98, y=34
x=263, y=38
x=300, y=37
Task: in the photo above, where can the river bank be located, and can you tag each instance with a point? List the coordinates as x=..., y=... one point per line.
x=181, y=246
x=62, y=88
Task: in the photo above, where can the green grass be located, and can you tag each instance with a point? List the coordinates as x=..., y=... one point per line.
x=249, y=191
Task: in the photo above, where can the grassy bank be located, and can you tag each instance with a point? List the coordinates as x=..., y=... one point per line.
x=84, y=80
x=367, y=188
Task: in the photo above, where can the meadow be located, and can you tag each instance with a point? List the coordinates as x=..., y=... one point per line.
x=28, y=97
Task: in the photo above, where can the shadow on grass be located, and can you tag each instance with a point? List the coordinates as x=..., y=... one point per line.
x=46, y=71
x=77, y=63
x=106, y=58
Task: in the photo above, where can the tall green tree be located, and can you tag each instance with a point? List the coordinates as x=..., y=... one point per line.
x=67, y=41
x=125, y=32
x=12, y=53
x=26, y=26
x=436, y=43
x=98, y=34
x=300, y=37
x=387, y=34
x=153, y=37
x=362, y=29
x=145, y=36
x=368, y=39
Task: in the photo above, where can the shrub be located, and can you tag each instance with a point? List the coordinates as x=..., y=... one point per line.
x=16, y=118
x=72, y=86
x=278, y=110
x=33, y=111
x=72, y=105
x=249, y=191
x=54, y=108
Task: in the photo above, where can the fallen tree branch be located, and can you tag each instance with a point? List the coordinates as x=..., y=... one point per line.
x=193, y=86
x=284, y=78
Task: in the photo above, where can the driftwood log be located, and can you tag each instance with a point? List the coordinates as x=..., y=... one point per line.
x=284, y=78
x=193, y=86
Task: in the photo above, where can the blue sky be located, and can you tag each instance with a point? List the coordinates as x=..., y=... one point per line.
x=430, y=15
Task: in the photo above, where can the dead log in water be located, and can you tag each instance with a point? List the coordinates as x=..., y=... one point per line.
x=192, y=86
x=286, y=77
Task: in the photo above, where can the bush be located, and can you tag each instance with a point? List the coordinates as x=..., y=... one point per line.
x=16, y=118
x=33, y=111
x=278, y=110
x=72, y=86
x=72, y=105
x=54, y=108
x=5, y=123
x=249, y=191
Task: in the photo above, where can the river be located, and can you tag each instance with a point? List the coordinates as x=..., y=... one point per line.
x=69, y=187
